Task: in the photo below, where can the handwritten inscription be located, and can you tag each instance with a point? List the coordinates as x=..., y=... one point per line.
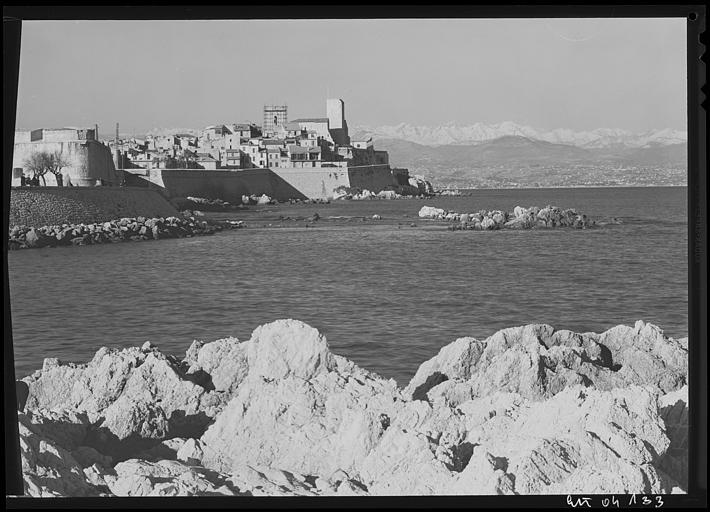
x=634, y=500
x=610, y=502
x=579, y=502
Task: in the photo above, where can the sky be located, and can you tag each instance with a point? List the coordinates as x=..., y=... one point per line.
x=579, y=74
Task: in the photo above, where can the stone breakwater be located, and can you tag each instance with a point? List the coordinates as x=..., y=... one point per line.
x=519, y=218
x=529, y=410
x=46, y=206
x=121, y=230
x=348, y=194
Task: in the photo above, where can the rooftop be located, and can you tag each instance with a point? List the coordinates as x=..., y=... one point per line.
x=294, y=149
x=311, y=120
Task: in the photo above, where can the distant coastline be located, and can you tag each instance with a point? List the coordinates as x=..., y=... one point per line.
x=561, y=187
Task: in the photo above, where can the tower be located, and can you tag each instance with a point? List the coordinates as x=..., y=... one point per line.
x=275, y=116
x=116, y=152
x=336, y=113
x=337, y=125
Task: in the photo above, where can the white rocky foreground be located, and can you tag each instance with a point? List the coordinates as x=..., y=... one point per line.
x=528, y=410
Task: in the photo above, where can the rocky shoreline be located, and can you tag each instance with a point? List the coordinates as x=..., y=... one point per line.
x=519, y=218
x=120, y=230
x=529, y=410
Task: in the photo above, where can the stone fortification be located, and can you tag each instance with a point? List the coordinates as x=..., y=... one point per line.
x=47, y=206
x=278, y=183
x=529, y=410
x=88, y=161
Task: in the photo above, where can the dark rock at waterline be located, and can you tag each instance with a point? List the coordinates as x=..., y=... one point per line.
x=34, y=238
x=520, y=218
x=124, y=229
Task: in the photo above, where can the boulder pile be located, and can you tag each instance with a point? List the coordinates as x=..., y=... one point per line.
x=529, y=410
x=356, y=194
x=308, y=201
x=260, y=200
x=422, y=185
x=121, y=230
x=449, y=192
x=519, y=218
x=212, y=204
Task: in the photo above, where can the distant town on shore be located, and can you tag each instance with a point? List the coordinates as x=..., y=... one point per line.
x=284, y=159
x=450, y=157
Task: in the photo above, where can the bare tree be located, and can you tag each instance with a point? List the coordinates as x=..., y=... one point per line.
x=37, y=164
x=40, y=163
x=55, y=163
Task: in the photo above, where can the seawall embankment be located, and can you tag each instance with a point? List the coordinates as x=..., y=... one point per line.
x=43, y=206
x=281, y=184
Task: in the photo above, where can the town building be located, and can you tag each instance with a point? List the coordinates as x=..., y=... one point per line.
x=231, y=159
x=206, y=161
x=337, y=126
x=318, y=125
x=275, y=116
x=89, y=162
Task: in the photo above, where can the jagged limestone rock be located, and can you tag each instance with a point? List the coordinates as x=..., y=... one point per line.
x=48, y=466
x=222, y=362
x=529, y=410
x=129, y=394
x=317, y=426
x=538, y=362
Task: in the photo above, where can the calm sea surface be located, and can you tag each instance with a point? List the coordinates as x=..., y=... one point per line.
x=385, y=294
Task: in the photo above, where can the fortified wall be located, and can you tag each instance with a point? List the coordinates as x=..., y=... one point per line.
x=89, y=162
x=43, y=206
x=281, y=184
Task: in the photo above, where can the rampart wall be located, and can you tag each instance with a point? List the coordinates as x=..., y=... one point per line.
x=87, y=162
x=41, y=206
x=278, y=183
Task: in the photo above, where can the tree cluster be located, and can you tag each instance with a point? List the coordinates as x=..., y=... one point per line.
x=40, y=163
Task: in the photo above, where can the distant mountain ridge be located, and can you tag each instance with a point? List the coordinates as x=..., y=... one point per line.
x=515, y=161
x=511, y=155
x=518, y=150
x=451, y=134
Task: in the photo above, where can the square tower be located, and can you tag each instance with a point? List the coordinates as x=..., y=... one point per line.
x=337, y=125
x=275, y=117
x=335, y=109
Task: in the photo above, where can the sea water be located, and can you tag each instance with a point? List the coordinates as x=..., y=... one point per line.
x=387, y=295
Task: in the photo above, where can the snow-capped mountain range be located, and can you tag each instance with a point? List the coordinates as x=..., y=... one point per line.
x=479, y=132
